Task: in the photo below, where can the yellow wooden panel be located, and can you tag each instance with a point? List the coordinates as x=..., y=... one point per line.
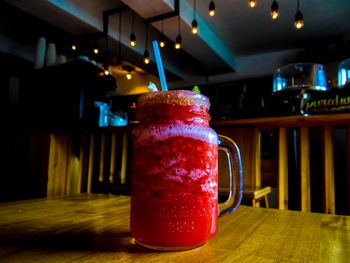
x=74, y=169
x=58, y=162
x=81, y=163
x=91, y=162
x=348, y=164
x=328, y=171
x=102, y=157
x=112, y=172
x=257, y=154
x=282, y=169
x=304, y=168
x=124, y=162
x=52, y=161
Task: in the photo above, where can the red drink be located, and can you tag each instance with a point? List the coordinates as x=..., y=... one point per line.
x=174, y=172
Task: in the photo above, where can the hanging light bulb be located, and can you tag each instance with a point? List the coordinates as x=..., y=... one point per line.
x=132, y=40
x=105, y=64
x=132, y=36
x=252, y=3
x=211, y=8
x=274, y=10
x=178, y=42
x=194, y=22
x=162, y=37
x=74, y=47
x=161, y=40
x=96, y=50
x=146, y=57
x=106, y=69
x=194, y=27
x=146, y=54
x=299, y=23
x=178, y=38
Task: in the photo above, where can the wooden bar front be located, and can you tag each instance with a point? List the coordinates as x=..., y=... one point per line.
x=245, y=132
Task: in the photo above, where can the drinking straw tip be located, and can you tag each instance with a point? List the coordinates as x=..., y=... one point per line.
x=159, y=65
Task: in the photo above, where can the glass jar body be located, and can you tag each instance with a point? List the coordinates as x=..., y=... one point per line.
x=174, y=202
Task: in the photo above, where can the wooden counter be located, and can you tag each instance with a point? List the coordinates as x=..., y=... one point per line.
x=95, y=228
x=247, y=134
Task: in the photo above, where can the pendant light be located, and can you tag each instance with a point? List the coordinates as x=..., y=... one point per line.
x=74, y=45
x=146, y=59
x=299, y=23
x=132, y=36
x=274, y=10
x=178, y=38
x=162, y=37
x=95, y=49
x=128, y=70
x=211, y=8
x=252, y=3
x=194, y=22
x=105, y=64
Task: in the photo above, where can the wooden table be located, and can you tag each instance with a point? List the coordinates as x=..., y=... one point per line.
x=95, y=228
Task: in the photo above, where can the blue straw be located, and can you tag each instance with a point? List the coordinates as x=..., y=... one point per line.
x=159, y=66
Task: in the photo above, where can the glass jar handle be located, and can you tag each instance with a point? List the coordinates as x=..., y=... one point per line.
x=236, y=175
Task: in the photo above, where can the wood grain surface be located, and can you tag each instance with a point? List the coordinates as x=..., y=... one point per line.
x=95, y=228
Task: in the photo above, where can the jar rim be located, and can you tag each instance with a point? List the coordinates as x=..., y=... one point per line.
x=174, y=97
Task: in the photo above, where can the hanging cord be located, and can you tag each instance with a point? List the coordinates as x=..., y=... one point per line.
x=194, y=9
x=120, y=36
x=147, y=36
x=132, y=21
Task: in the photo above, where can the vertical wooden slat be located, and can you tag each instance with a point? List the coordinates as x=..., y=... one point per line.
x=74, y=176
x=257, y=155
x=112, y=173
x=81, y=163
x=256, y=169
x=328, y=171
x=71, y=169
x=282, y=169
x=304, y=168
x=124, y=158
x=91, y=162
x=58, y=163
x=348, y=163
x=52, y=161
x=102, y=157
x=45, y=155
